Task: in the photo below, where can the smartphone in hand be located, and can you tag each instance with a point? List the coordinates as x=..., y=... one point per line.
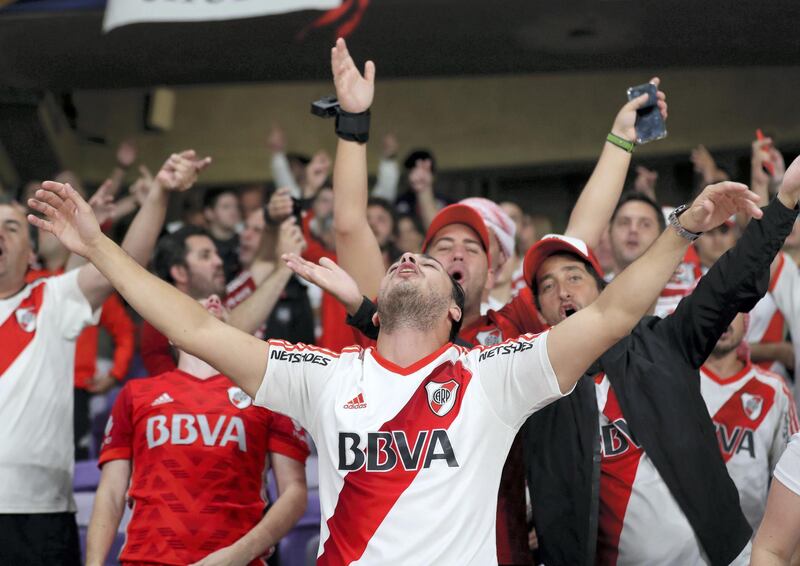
x=650, y=124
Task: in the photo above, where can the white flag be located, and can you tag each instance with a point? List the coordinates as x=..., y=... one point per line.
x=124, y=12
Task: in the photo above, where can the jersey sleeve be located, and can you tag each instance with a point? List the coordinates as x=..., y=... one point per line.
x=784, y=290
x=72, y=311
x=295, y=378
x=787, y=425
x=118, y=438
x=286, y=436
x=517, y=377
x=788, y=469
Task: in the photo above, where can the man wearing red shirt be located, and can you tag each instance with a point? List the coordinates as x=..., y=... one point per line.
x=190, y=451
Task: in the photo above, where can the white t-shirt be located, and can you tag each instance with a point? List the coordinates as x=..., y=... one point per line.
x=754, y=414
x=788, y=469
x=410, y=458
x=38, y=328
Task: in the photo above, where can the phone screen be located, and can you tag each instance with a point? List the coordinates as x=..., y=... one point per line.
x=649, y=122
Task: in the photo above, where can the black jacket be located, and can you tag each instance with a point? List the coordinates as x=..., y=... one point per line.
x=654, y=373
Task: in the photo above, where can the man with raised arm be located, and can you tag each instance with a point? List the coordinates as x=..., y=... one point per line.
x=40, y=322
x=415, y=427
x=628, y=470
x=459, y=238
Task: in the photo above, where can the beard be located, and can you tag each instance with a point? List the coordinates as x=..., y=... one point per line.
x=407, y=306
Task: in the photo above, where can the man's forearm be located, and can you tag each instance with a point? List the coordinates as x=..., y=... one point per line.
x=278, y=521
x=357, y=249
x=251, y=313
x=107, y=512
x=599, y=197
x=146, y=226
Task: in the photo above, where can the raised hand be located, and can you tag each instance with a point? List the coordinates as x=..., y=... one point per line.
x=354, y=92
x=67, y=216
x=789, y=191
x=317, y=171
x=102, y=202
x=719, y=202
x=290, y=239
x=625, y=123
x=280, y=205
x=759, y=155
x=389, y=146
x=180, y=170
x=329, y=277
x=276, y=140
x=645, y=181
x=141, y=187
x=126, y=154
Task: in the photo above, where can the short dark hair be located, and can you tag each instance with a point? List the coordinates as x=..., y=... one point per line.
x=384, y=204
x=211, y=196
x=460, y=298
x=171, y=250
x=633, y=196
x=299, y=158
x=33, y=232
x=601, y=283
x=419, y=154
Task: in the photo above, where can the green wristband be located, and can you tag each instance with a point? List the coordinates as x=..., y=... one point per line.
x=621, y=143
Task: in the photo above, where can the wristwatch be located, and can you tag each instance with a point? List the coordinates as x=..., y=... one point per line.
x=676, y=224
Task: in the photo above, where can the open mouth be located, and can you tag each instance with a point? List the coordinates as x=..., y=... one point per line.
x=568, y=309
x=407, y=268
x=457, y=274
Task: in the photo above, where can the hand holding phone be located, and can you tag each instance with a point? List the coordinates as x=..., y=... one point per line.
x=650, y=124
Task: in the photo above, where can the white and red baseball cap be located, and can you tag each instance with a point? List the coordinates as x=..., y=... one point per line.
x=554, y=244
x=459, y=214
x=496, y=220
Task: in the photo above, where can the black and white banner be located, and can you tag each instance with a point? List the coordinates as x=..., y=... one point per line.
x=124, y=12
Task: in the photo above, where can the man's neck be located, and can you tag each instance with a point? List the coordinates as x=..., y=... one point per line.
x=725, y=366
x=471, y=314
x=10, y=286
x=221, y=233
x=195, y=366
x=405, y=346
x=56, y=261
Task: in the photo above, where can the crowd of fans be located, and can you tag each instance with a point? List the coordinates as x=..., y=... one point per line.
x=225, y=251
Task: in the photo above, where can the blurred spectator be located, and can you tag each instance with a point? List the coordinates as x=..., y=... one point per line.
x=421, y=198
x=409, y=234
x=221, y=211
x=251, y=198
x=636, y=223
x=381, y=219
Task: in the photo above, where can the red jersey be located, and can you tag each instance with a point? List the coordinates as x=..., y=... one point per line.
x=199, y=451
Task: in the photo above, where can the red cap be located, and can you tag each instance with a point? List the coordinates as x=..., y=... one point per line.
x=459, y=214
x=553, y=244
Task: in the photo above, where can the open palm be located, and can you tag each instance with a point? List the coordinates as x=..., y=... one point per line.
x=67, y=216
x=354, y=92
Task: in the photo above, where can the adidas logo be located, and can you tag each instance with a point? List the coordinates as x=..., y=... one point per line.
x=356, y=403
x=163, y=398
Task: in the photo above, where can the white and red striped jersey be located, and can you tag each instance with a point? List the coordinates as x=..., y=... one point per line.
x=767, y=323
x=682, y=283
x=788, y=469
x=785, y=291
x=38, y=329
x=640, y=521
x=754, y=414
x=410, y=458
